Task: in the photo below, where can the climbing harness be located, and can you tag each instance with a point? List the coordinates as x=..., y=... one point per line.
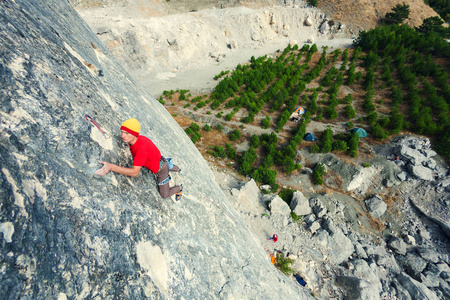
x=90, y=119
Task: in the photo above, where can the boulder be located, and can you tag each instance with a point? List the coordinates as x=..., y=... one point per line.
x=363, y=282
x=429, y=279
x=414, y=265
x=334, y=243
x=421, y=172
x=376, y=206
x=248, y=196
x=428, y=254
x=401, y=292
x=415, y=288
x=324, y=27
x=308, y=21
x=300, y=204
x=317, y=207
x=314, y=226
x=398, y=245
x=279, y=207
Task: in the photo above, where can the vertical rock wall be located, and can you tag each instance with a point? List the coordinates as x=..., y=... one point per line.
x=66, y=234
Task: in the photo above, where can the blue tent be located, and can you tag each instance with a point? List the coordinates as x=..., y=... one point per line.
x=361, y=132
x=310, y=137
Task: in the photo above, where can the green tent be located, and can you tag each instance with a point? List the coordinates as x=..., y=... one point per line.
x=361, y=132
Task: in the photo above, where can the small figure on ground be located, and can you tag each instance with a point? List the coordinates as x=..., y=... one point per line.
x=145, y=154
x=274, y=238
x=396, y=159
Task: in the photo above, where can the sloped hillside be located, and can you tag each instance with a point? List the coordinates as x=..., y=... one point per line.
x=66, y=234
x=365, y=14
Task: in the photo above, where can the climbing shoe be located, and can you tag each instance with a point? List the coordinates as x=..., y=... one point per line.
x=179, y=194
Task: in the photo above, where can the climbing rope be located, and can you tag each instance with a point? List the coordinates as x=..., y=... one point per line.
x=90, y=119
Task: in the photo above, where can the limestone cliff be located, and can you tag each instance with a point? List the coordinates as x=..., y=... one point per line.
x=66, y=234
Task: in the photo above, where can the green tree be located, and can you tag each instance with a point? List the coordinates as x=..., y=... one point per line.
x=434, y=25
x=230, y=152
x=266, y=122
x=318, y=172
x=353, y=141
x=327, y=140
x=235, y=135
x=399, y=13
x=254, y=141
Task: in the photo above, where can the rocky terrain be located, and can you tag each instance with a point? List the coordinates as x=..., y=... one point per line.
x=377, y=232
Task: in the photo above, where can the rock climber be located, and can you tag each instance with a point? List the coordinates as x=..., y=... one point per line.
x=145, y=154
x=274, y=238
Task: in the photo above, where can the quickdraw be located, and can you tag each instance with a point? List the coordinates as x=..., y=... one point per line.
x=90, y=119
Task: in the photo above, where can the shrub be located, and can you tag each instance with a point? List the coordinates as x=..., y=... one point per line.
x=265, y=176
x=219, y=152
x=326, y=140
x=314, y=148
x=206, y=127
x=349, y=112
x=235, y=135
x=254, y=141
x=353, y=141
x=219, y=127
x=188, y=131
x=283, y=263
x=366, y=165
x=246, y=161
x=195, y=127
x=195, y=137
x=339, y=146
x=318, y=172
x=266, y=122
x=230, y=152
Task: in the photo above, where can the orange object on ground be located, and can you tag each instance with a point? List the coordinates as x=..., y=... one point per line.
x=273, y=258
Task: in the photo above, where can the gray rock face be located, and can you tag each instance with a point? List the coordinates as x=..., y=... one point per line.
x=415, y=288
x=78, y=236
x=376, y=206
x=335, y=244
x=300, y=204
x=363, y=283
x=317, y=207
x=398, y=245
x=279, y=207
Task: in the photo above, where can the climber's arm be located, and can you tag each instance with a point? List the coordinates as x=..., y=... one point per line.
x=133, y=172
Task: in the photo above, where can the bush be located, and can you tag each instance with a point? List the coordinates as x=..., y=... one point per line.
x=254, y=141
x=326, y=140
x=349, y=112
x=314, y=148
x=195, y=127
x=206, y=127
x=366, y=165
x=219, y=152
x=219, y=127
x=339, y=146
x=283, y=263
x=195, y=137
x=353, y=141
x=235, y=135
x=266, y=122
x=230, y=152
x=188, y=131
x=265, y=176
x=318, y=172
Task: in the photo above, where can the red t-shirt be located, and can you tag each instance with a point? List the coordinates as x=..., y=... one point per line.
x=145, y=154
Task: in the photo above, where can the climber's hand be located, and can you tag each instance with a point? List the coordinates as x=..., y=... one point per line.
x=105, y=169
